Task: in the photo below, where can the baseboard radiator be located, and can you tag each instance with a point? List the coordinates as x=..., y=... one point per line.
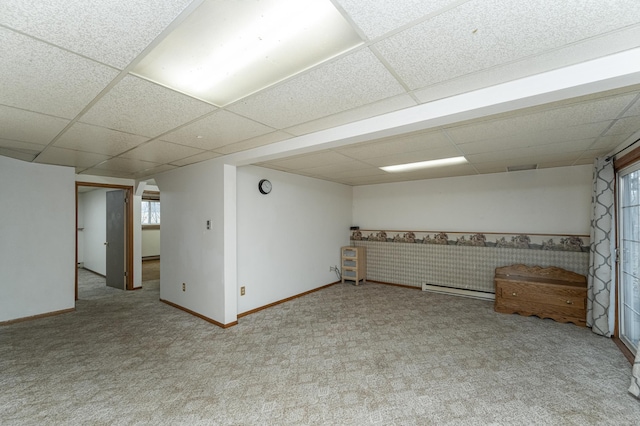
x=452, y=269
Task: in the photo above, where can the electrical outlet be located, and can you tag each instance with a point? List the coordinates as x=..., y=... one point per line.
x=331, y=268
x=184, y=286
x=242, y=291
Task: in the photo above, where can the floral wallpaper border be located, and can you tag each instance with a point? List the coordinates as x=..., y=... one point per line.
x=521, y=241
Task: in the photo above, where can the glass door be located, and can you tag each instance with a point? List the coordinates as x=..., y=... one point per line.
x=629, y=264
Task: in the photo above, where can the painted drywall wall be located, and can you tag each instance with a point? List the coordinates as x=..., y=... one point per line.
x=37, y=243
x=150, y=242
x=553, y=201
x=191, y=253
x=94, y=209
x=288, y=239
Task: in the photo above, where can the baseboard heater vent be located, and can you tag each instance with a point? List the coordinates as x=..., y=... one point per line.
x=458, y=291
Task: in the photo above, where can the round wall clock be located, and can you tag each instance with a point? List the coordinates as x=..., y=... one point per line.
x=264, y=186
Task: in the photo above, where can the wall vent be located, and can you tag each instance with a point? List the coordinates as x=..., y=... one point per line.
x=458, y=292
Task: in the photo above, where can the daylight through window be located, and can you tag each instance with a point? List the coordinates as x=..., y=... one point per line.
x=150, y=212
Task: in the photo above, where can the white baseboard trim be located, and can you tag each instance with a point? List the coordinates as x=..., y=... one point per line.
x=458, y=292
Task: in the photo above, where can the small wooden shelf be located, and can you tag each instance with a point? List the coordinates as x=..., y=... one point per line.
x=354, y=264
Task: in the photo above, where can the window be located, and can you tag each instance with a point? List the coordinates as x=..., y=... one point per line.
x=150, y=212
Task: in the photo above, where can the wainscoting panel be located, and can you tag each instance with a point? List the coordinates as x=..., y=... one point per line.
x=457, y=266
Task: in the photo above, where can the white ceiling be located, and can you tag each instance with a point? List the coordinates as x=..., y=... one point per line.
x=67, y=96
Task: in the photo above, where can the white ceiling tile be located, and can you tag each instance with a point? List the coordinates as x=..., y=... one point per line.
x=153, y=171
x=522, y=140
x=484, y=33
x=316, y=159
x=126, y=165
x=207, y=155
x=137, y=106
x=635, y=108
x=551, y=118
x=267, y=139
x=573, y=148
x=113, y=32
x=85, y=137
x=398, y=144
x=23, y=147
x=625, y=126
x=574, y=53
x=68, y=157
x=161, y=152
x=26, y=126
x=18, y=154
x=349, y=82
x=414, y=156
x=108, y=173
x=367, y=111
x=217, y=130
x=42, y=78
x=377, y=17
x=339, y=169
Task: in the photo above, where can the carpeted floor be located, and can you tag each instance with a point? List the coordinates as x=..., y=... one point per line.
x=150, y=270
x=371, y=354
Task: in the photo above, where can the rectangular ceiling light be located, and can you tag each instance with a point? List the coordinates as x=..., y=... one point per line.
x=227, y=49
x=409, y=167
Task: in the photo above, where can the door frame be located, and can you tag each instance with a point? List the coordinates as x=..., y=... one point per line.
x=620, y=164
x=128, y=223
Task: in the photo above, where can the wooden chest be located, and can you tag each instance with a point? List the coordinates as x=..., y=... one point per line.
x=545, y=292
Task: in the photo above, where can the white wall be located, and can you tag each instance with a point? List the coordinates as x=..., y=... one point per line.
x=150, y=242
x=555, y=201
x=37, y=239
x=190, y=253
x=288, y=239
x=94, y=210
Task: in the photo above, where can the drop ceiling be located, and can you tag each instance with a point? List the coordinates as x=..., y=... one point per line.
x=68, y=95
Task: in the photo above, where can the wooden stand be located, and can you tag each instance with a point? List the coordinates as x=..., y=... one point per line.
x=354, y=264
x=545, y=292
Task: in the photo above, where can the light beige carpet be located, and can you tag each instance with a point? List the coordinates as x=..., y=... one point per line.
x=371, y=354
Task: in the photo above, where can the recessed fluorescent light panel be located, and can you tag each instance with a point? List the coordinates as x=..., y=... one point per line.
x=409, y=167
x=228, y=49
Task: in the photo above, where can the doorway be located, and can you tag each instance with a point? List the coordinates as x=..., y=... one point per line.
x=124, y=245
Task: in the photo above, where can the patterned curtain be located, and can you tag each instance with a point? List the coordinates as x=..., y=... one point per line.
x=635, y=377
x=600, y=309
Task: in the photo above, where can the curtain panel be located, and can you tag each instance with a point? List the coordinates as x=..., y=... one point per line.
x=600, y=309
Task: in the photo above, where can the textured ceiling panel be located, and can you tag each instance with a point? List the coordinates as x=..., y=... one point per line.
x=68, y=157
x=24, y=147
x=572, y=149
x=143, y=108
x=112, y=32
x=414, y=157
x=350, y=82
x=42, y=78
x=85, y=137
x=315, y=159
x=216, y=130
x=25, y=126
x=207, y=155
x=553, y=118
x=522, y=140
x=376, y=17
x=161, y=152
x=253, y=142
x=485, y=33
x=17, y=154
x=391, y=146
x=625, y=126
x=126, y=165
x=367, y=111
x=585, y=50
